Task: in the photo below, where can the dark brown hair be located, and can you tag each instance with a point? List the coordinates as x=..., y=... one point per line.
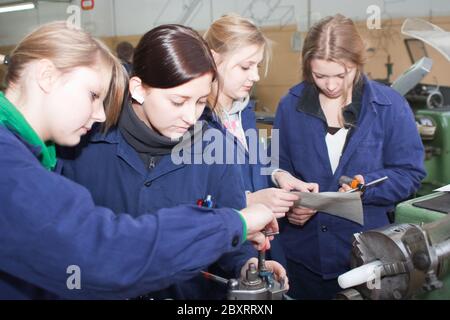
x=171, y=55
x=124, y=51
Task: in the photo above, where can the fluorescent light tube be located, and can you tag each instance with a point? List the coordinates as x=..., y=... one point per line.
x=17, y=7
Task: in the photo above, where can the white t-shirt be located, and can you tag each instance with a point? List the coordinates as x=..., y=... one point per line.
x=335, y=145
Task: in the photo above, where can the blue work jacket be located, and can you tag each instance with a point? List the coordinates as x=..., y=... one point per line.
x=49, y=227
x=111, y=169
x=385, y=142
x=251, y=172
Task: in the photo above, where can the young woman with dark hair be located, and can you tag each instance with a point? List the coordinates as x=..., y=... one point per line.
x=132, y=168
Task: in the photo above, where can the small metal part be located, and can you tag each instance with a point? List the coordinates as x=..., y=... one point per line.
x=213, y=277
x=270, y=233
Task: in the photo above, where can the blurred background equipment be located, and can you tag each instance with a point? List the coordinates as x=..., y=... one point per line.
x=430, y=103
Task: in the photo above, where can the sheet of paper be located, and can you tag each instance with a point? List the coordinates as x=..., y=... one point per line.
x=445, y=188
x=344, y=205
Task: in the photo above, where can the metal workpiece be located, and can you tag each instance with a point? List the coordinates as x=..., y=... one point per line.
x=258, y=283
x=410, y=262
x=443, y=254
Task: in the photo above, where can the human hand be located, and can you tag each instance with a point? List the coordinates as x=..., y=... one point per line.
x=277, y=200
x=259, y=218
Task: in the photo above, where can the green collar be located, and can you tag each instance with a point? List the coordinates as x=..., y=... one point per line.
x=12, y=119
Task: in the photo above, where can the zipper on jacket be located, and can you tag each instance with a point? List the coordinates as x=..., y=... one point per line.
x=152, y=163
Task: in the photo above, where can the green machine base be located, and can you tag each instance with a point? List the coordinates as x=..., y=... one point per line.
x=437, y=149
x=408, y=212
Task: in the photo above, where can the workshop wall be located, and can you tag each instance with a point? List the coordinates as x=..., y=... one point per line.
x=285, y=66
x=284, y=70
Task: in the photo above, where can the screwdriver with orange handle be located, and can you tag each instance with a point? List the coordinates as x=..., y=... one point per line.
x=358, y=186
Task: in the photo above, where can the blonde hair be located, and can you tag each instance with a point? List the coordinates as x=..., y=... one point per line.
x=232, y=32
x=68, y=48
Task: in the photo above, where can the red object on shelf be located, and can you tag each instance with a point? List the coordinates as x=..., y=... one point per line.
x=87, y=4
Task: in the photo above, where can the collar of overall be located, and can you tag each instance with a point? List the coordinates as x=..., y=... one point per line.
x=13, y=120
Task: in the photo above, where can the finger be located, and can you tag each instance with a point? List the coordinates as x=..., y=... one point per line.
x=267, y=245
x=281, y=203
x=360, y=178
x=308, y=212
x=301, y=208
x=288, y=197
x=309, y=187
x=279, y=215
x=286, y=282
x=258, y=240
x=301, y=211
x=295, y=220
x=286, y=187
x=314, y=187
x=273, y=225
x=302, y=217
x=303, y=187
x=301, y=220
x=346, y=187
x=276, y=268
x=283, y=209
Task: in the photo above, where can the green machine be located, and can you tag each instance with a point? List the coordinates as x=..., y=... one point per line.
x=430, y=103
x=432, y=113
x=437, y=147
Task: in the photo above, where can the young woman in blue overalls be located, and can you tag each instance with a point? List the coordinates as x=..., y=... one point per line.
x=135, y=163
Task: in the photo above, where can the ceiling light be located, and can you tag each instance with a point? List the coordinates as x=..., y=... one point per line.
x=17, y=6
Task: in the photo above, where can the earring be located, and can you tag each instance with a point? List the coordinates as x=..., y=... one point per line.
x=138, y=98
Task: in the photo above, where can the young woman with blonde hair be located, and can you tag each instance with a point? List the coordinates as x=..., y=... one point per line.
x=240, y=49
